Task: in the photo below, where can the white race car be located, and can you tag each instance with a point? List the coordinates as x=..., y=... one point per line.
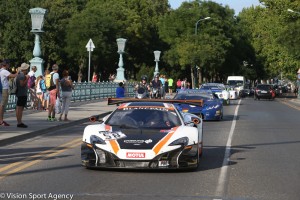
x=220, y=90
x=144, y=134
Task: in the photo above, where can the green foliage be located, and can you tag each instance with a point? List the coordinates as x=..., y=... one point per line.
x=267, y=37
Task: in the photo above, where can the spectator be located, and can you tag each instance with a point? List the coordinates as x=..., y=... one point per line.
x=178, y=84
x=120, y=91
x=53, y=92
x=4, y=76
x=32, y=89
x=95, y=77
x=46, y=94
x=40, y=89
x=22, y=89
x=170, y=85
x=66, y=94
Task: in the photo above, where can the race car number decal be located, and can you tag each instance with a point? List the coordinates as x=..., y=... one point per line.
x=112, y=135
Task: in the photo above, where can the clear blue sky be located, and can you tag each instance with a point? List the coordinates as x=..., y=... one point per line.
x=237, y=5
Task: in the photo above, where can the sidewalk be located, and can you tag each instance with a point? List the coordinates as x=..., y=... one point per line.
x=37, y=124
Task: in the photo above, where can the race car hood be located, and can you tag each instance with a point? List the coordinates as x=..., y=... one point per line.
x=140, y=138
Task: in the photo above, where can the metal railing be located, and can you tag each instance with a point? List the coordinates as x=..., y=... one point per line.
x=85, y=92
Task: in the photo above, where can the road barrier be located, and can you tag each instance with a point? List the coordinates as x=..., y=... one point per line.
x=85, y=92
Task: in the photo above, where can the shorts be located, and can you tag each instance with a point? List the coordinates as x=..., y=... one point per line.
x=46, y=95
x=21, y=101
x=4, y=99
x=53, y=97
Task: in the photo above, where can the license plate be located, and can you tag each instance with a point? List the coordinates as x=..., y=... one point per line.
x=264, y=92
x=163, y=163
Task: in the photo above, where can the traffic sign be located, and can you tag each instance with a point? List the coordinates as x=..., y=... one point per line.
x=90, y=45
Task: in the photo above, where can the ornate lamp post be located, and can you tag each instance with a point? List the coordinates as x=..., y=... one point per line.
x=37, y=19
x=156, y=59
x=198, y=70
x=120, y=71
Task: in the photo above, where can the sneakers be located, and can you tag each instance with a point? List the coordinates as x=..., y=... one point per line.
x=22, y=125
x=4, y=124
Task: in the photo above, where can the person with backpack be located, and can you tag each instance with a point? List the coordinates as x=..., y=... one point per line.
x=40, y=89
x=4, y=92
x=53, y=88
x=31, y=86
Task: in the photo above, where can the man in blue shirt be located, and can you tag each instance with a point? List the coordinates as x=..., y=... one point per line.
x=120, y=91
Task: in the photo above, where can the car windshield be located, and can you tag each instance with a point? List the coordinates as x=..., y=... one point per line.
x=144, y=117
x=235, y=82
x=195, y=96
x=263, y=87
x=210, y=87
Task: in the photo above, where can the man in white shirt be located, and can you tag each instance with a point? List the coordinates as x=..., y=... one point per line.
x=5, y=75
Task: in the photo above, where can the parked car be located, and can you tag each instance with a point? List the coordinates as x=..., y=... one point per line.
x=264, y=91
x=212, y=108
x=144, y=134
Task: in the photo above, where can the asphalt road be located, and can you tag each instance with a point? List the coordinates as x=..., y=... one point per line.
x=253, y=153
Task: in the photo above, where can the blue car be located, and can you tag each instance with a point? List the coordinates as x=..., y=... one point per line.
x=212, y=106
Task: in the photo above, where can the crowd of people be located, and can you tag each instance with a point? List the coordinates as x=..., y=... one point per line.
x=44, y=91
x=159, y=86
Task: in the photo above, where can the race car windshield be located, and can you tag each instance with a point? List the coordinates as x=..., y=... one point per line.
x=144, y=118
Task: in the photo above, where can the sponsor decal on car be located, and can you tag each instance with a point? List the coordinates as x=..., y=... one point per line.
x=138, y=141
x=135, y=155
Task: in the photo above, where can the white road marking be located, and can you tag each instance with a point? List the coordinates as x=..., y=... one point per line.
x=224, y=170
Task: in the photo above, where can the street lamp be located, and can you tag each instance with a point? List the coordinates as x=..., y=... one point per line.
x=156, y=59
x=37, y=19
x=192, y=72
x=120, y=71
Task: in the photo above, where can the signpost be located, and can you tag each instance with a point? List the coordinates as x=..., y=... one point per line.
x=90, y=47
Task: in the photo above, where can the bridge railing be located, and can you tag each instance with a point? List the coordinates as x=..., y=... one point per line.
x=85, y=92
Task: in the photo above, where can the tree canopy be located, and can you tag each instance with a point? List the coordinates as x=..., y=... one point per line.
x=260, y=43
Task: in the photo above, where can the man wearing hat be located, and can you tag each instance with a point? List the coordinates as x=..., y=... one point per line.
x=5, y=75
x=21, y=94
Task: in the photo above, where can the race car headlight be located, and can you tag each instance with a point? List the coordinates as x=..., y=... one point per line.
x=96, y=140
x=181, y=141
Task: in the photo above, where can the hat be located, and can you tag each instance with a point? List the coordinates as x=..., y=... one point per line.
x=24, y=66
x=54, y=67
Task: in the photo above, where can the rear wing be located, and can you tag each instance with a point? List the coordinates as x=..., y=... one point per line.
x=113, y=101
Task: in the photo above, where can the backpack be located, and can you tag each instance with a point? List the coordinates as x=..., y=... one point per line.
x=49, y=82
x=43, y=85
x=13, y=86
x=31, y=82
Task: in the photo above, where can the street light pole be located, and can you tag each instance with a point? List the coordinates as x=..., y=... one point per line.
x=37, y=19
x=120, y=71
x=156, y=59
x=199, y=71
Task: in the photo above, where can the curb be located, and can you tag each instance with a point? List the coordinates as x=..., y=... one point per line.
x=33, y=134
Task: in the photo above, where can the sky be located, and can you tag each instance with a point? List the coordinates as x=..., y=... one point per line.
x=237, y=5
